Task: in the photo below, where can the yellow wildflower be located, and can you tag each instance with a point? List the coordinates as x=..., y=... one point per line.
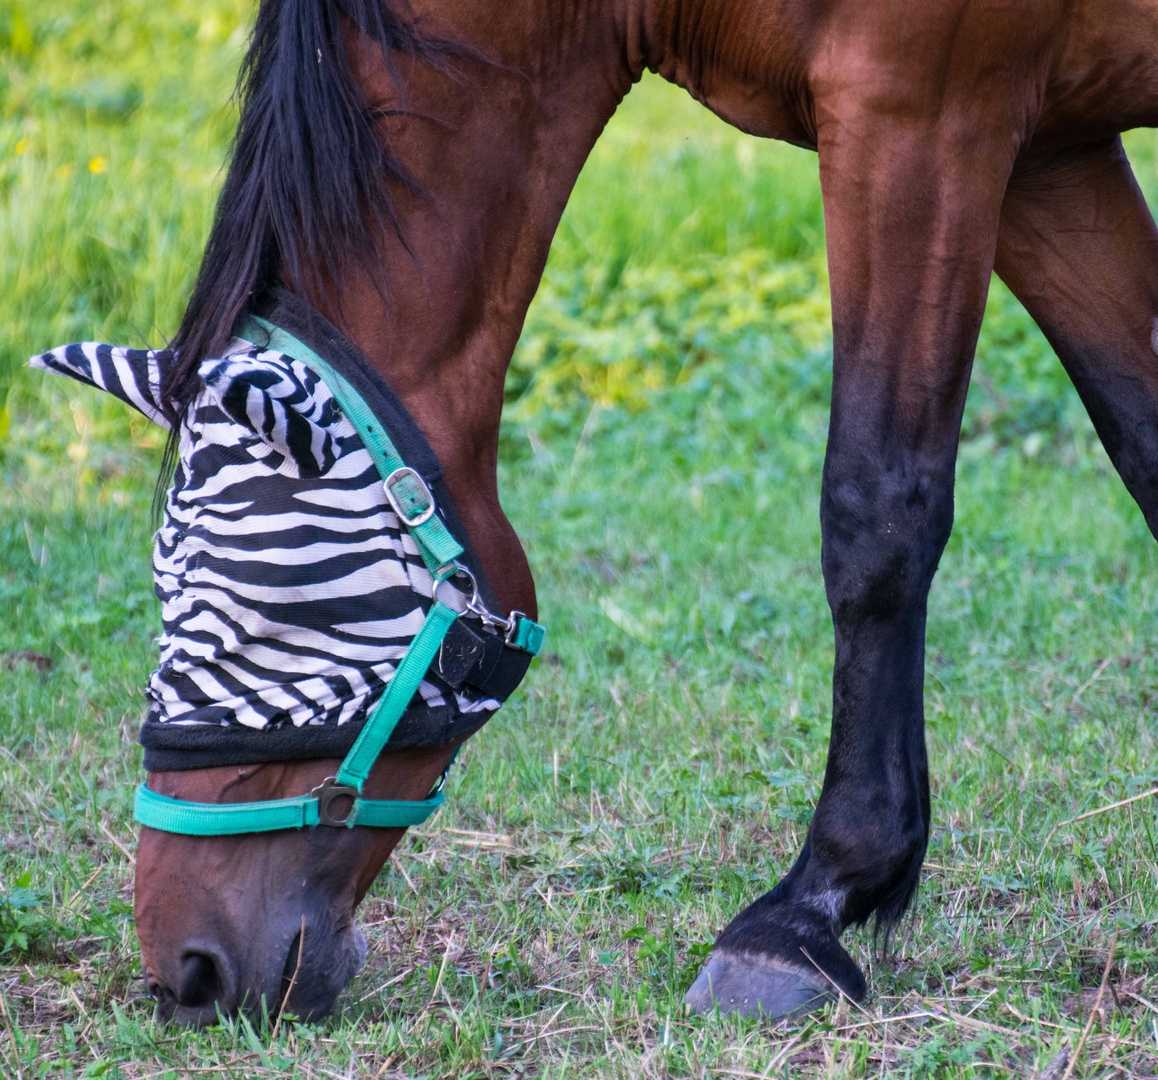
x=21, y=147
x=98, y=165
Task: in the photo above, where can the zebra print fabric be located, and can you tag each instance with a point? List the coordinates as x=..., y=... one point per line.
x=289, y=591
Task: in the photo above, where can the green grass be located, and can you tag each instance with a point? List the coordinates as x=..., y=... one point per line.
x=662, y=463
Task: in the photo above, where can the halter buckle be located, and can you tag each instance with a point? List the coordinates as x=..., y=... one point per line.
x=326, y=792
x=419, y=514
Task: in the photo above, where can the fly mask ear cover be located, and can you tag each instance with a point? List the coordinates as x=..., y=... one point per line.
x=412, y=501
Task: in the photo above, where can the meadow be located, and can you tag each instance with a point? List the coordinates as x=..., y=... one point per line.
x=661, y=458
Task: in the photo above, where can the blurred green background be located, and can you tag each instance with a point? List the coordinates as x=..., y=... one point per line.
x=685, y=241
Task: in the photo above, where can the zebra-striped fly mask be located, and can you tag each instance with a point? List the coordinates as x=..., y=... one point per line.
x=289, y=589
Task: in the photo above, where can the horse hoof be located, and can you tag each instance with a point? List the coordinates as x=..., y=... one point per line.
x=755, y=985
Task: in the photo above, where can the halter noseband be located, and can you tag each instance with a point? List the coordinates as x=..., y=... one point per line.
x=412, y=501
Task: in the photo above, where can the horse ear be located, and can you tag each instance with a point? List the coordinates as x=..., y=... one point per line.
x=133, y=375
x=282, y=402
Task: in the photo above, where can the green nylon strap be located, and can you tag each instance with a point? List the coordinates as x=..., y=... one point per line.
x=230, y=819
x=529, y=636
x=222, y=819
x=375, y=734
x=439, y=549
x=225, y=819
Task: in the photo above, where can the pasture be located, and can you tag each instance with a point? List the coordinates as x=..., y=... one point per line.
x=661, y=460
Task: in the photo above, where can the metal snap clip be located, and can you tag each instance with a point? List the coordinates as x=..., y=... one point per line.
x=513, y=627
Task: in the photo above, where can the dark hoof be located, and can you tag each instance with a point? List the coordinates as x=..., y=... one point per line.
x=754, y=985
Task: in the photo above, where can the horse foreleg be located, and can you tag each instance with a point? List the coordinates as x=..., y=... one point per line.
x=1079, y=248
x=912, y=213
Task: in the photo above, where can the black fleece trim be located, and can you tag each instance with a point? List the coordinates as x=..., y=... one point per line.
x=174, y=747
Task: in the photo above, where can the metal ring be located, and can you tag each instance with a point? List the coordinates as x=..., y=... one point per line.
x=326, y=792
x=475, y=606
x=459, y=569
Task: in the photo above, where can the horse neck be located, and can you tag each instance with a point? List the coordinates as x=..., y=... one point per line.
x=1104, y=76
x=495, y=153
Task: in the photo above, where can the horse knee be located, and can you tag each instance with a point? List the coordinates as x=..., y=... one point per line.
x=883, y=534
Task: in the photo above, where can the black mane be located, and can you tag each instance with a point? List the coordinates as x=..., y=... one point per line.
x=309, y=185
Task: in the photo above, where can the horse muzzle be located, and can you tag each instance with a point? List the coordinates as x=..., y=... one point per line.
x=204, y=979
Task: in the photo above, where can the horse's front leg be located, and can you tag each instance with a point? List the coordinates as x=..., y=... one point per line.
x=912, y=211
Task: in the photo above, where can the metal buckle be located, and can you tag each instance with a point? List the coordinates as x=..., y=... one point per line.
x=326, y=792
x=423, y=515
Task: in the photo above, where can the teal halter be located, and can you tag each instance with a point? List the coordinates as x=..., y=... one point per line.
x=411, y=499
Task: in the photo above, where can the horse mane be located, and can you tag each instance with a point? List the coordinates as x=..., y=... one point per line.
x=309, y=184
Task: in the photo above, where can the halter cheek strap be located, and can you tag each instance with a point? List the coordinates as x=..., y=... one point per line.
x=412, y=501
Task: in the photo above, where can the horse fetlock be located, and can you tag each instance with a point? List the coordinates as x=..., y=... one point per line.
x=861, y=861
x=781, y=956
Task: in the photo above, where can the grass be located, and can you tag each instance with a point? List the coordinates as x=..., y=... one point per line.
x=662, y=463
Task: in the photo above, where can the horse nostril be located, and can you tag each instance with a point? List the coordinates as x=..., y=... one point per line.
x=205, y=980
x=292, y=981
x=165, y=998
x=290, y=973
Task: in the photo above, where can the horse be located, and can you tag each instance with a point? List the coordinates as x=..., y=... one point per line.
x=399, y=169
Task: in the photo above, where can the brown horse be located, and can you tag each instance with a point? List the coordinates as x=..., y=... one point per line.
x=403, y=168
